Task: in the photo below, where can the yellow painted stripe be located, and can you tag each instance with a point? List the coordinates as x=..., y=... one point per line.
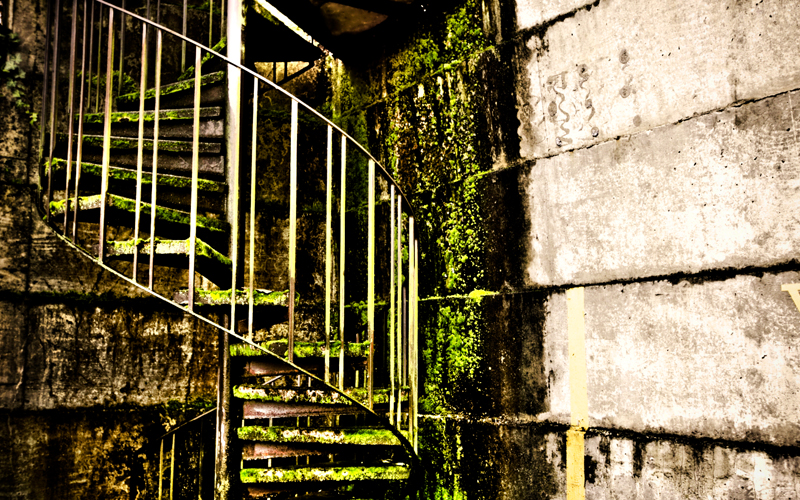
x=579, y=405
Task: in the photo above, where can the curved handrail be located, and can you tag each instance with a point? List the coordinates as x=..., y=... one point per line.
x=291, y=96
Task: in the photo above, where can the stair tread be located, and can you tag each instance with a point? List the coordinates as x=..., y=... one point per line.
x=261, y=367
x=302, y=349
x=149, y=116
x=165, y=247
x=321, y=435
x=126, y=174
x=126, y=204
x=168, y=145
x=324, y=474
x=223, y=297
x=255, y=392
x=173, y=88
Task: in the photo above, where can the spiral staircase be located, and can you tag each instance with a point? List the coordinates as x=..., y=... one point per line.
x=163, y=187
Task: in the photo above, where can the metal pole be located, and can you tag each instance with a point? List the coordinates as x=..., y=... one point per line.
x=80, y=126
x=53, y=108
x=292, y=224
x=195, y=178
x=106, y=136
x=328, y=255
x=371, y=281
x=140, y=160
x=154, y=174
x=253, y=210
x=342, y=206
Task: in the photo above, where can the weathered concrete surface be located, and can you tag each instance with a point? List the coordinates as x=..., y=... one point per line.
x=625, y=66
x=66, y=353
x=716, y=191
x=717, y=359
x=620, y=467
x=531, y=13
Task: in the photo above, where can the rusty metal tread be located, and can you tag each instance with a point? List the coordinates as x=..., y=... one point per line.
x=86, y=203
x=127, y=174
x=210, y=263
x=362, y=436
x=173, y=88
x=310, y=474
x=303, y=349
x=255, y=392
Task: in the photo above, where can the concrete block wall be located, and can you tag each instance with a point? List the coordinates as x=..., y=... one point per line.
x=646, y=152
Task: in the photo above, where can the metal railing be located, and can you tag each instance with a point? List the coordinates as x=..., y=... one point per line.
x=394, y=232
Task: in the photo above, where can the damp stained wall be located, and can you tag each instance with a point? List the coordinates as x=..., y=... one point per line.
x=644, y=151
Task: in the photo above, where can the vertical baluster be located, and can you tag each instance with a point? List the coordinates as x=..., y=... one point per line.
x=140, y=160
x=416, y=340
x=410, y=327
x=292, y=224
x=222, y=19
x=172, y=468
x=391, y=306
x=371, y=281
x=79, y=157
x=53, y=108
x=154, y=174
x=195, y=176
x=252, y=209
x=45, y=83
x=328, y=256
x=161, y=470
x=121, y=48
x=211, y=22
x=70, y=107
x=106, y=136
x=88, y=77
x=200, y=460
x=99, y=57
x=342, y=206
x=399, y=266
x=183, y=32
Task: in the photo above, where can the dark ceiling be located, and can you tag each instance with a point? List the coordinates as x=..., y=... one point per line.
x=354, y=29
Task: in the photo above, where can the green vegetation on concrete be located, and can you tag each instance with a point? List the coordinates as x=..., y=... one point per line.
x=166, y=247
x=150, y=116
x=302, y=349
x=324, y=435
x=133, y=143
x=173, y=88
x=339, y=474
x=260, y=298
x=319, y=396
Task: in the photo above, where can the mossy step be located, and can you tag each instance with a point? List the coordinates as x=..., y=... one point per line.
x=323, y=435
x=164, y=145
x=324, y=474
x=209, y=263
x=223, y=297
x=302, y=349
x=127, y=205
x=172, y=88
x=125, y=174
x=150, y=116
x=208, y=58
x=314, y=396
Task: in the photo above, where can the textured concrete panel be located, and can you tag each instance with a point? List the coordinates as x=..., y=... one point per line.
x=717, y=191
x=531, y=13
x=718, y=359
x=626, y=66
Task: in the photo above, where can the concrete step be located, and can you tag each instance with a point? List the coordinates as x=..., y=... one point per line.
x=364, y=436
x=303, y=349
x=173, y=191
x=132, y=143
x=321, y=474
x=169, y=222
x=180, y=94
x=172, y=123
x=261, y=298
x=175, y=253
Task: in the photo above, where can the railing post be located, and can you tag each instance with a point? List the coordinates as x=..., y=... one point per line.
x=399, y=335
x=392, y=386
x=195, y=179
x=79, y=157
x=140, y=161
x=70, y=107
x=45, y=83
x=154, y=174
x=53, y=108
x=328, y=243
x=106, y=136
x=410, y=327
x=253, y=184
x=371, y=281
x=342, y=206
x=292, y=224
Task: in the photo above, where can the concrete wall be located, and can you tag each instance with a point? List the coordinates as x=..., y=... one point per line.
x=645, y=151
x=92, y=371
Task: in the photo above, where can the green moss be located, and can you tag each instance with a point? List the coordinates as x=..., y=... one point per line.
x=260, y=298
x=124, y=174
x=189, y=73
x=166, y=247
x=338, y=474
x=302, y=349
x=330, y=435
x=125, y=204
x=147, y=144
x=150, y=116
x=173, y=88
